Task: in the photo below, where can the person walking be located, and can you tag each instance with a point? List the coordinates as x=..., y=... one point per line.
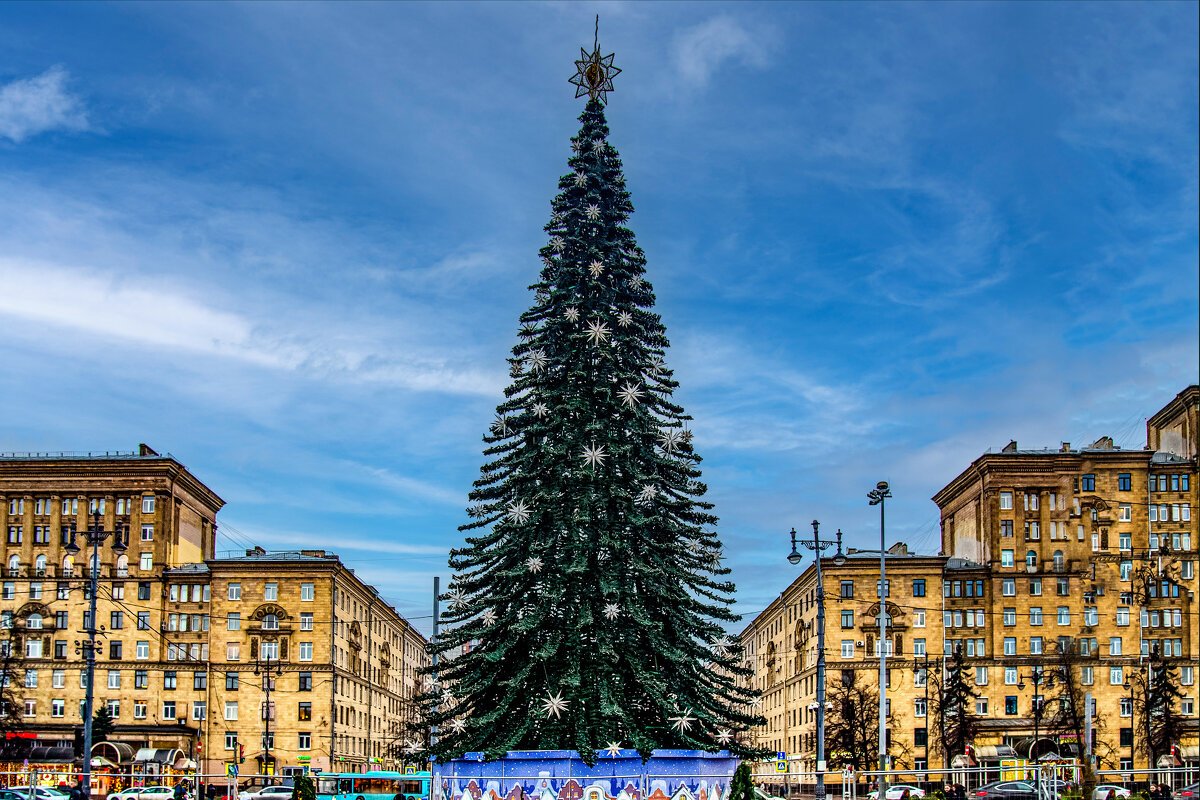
x=78, y=792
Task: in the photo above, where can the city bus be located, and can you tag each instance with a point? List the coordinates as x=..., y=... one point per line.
x=374, y=785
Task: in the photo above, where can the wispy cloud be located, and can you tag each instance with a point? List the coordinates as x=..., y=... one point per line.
x=704, y=48
x=29, y=106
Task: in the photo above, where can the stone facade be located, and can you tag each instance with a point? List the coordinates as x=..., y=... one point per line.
x=1092, y=549
x=185, y=632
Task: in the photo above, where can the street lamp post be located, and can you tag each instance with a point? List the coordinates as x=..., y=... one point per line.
x=1038, y=678
x=267, y=668
x=94, y=536
x=877, y=496
x=818, y=546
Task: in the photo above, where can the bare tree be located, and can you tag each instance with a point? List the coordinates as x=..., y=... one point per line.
x=852, y=727
x=1067, y=714
x=12, y=676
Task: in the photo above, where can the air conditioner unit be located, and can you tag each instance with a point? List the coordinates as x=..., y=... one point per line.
x=860, y=644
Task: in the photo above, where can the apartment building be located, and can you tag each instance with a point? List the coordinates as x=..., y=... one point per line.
x=287, y=658
x=1092, y=550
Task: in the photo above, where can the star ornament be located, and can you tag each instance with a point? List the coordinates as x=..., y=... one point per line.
x=554, y=705
x=580, y=179
x=593, y=455
x=613, y=749
x=612, y=611
x=571, y=314
x=540, y=410
x=724, y=735
x=596, y=268
x=533, y=564
x=683, y=722
x=630, y=394
x=457, y=725
x=594, y=74
x=593, y=212
x=597, y=332
x=488, y=617
x=519, y=512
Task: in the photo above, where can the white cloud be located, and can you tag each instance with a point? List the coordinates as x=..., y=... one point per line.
x=30, y=106
x=701, y=49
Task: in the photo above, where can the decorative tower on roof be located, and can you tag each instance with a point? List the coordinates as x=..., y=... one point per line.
x=587, y=605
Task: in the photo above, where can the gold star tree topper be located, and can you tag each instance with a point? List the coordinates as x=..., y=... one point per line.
x=594, y=73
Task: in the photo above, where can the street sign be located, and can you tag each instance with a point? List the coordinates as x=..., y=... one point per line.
x=231, y=770
x=781, y=766
x=410, y=770
x=781, y=756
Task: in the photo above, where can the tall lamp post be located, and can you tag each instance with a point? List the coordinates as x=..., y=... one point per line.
x=817, y=545
x=1038, y=678
x=877, y=497
x=94, y=536
x=268, y=668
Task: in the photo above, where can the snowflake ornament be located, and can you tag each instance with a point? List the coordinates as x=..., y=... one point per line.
x=488, y=617
x=528, y=331
x=597, y=332
x=630, y=394
x=611, y=611
x=593, y=212
x=457, y=724
x=596, y=268
x=533, y=564
x=613, y=749
x=547, y=261
x=597, y=145
x=593, y=455
x=724, y=735
x=500, y=426
x=556, y=217
x=649, y=492
x=457, y=599
x=572, y=314
x=683, y=722
x=636, y=282
x=447, y=697
x=670, y=439
x=554, y=705
x=477, y=511
x=657, y=365
x=412, y=747
x=714, y=561
x=537, y=360
x=557, y=244
x=624, y=319
x=580, y=179
x=756, y=702
x=540, y=410
x=518, y=512
x=721, y=646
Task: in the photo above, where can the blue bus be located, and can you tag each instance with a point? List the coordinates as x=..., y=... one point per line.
x=373, y=785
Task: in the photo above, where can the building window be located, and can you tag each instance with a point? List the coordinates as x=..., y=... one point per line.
x=1187, y=675
x=270, y=591
x=1116, y=676
x=1006, y=558
x=305, y=682
x=1035, y=645
x=142, y=651
x=1010, y=705
x=918, y=587
x=847, y=589
x=1125, y=540
x=33, y=648
x=114, y=679
x=147, y=504
x=199, y=710
x=269, y=651
x=306, y=592
x=1006, y=501
x=1064, y=615
x=1035, y=615
x=918, y=619
x=1035, y=587
x=139, y=709
x=1187, y=706
x=270, y=622
x=847, y=648
x=169, y=679
x=981, y=706
x=1009, y=617
x=1087, y=483
x=199, y=680
x=981, y=676
x=847, y=618
x=168, y=709
x=919, y=707
x=1087, y=675
x=306, y=621
x=304, y=712
x=58, y=708
x=1064, y=586
x=1006, y=528
x=141, y=679
x=918, y=647
x=231, y=709
x=232, y=681
x=1124, y=482
x=1126, y=707
x=1008, y=587
x=231, y=740
x=306, y=651
x=1125, y=513
x=147, y=562
x=235, y=591
x=304, y=741
x=1031, y=560
x=1010, y=646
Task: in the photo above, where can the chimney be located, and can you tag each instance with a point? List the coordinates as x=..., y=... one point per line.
x=146, y=450
x=1011, y=447
x=1066, y=447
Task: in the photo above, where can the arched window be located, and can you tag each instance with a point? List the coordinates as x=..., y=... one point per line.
x=68, y=565
x=96, y=562
x=33, y=622
x=1031, y=559
x=270, y=622
x=14, y=564
x=1058, y=561
x=39, y=564
x=122, y=565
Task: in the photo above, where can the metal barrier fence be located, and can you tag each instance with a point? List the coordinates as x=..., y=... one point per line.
x=107, y=784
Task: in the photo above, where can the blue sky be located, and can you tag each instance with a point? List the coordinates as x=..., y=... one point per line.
x=289, y=244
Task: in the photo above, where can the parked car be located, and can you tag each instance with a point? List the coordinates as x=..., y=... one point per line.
x=275, y=792
x=1189, y=791
x=896, y=792
x=758, y=793
x=1006, y=790
x=144, y=793
x=1099, y=793
x=39, y=792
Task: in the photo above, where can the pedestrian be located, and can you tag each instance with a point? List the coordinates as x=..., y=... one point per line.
x=180, y=792
x=212, y=791
x=77, y=791
x=1164, y=790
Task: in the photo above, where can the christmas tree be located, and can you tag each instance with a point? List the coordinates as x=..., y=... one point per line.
x=587, y=607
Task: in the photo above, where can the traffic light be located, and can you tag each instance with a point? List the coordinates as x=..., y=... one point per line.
x=241, y=754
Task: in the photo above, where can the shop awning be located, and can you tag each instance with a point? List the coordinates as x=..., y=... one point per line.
x=167, y=755
x=1189, y=752
x=52, y=755
x=115, y=752
x=995, y=752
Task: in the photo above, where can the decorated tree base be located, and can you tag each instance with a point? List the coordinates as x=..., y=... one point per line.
x=563, y=775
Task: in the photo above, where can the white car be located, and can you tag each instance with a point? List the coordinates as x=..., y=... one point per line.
x=897, y=792
x=1101, y=791
x=268, y=793
x=145, y=793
